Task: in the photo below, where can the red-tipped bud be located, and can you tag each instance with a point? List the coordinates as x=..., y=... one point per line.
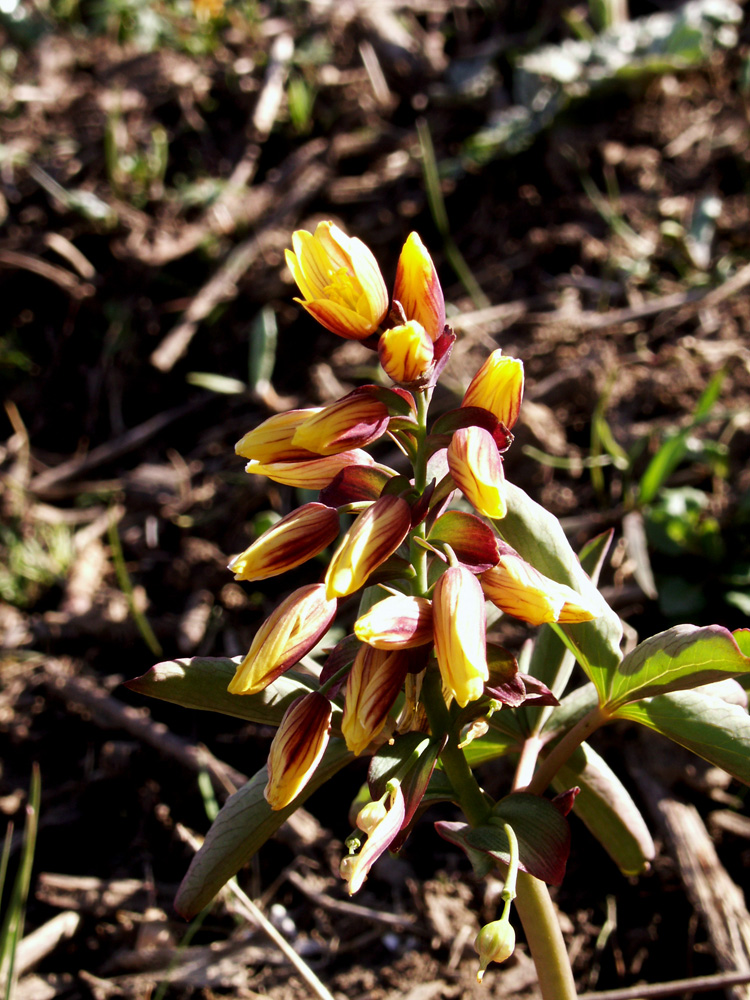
x=313, y=473
x=284, y=638
x=297, y=747
x=371, y=689
x=460, y=634
x=477, y=470
x=418, y=288
x=351, y=422
x=355, y=868
x=290, y=542
x=406, y=352
x=374, y=536
x=517, y=588
x=498, y=387
x=271, y=441
x=398, y=622
x=340, y=281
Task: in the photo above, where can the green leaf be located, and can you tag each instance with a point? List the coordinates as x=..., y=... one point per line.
x=201, y=682
x=711, y=727
x=243, y=825
x=742, y=638
x=492, y=745
x=604, y=805
x=538, y=537
x=543, y=835
x=685, y=656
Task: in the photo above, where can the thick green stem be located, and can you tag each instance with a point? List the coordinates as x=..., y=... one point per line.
x=544, y=938
x=417, y=553
x=470, y=797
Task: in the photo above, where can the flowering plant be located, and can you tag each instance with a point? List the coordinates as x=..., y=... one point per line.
x=435, y=551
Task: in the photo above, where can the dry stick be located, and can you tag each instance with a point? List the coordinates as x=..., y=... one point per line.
x=366, y=913
x=222, y=287
x=677, y=987
x=37, y=945
x=251, y=912
x=62, y=278
x=111, y=450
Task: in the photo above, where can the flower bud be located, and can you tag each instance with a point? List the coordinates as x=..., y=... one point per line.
x=271, y=441
x=495, y=942
x=355, y=868
x=418, y=289
x=374, y=536
x=285, y=637
x=340, y=281
x=398, y=622
x=371, y=814
x=477, y=470
x=518, y=589
x=351, y=422
x=311, y=473
x=290, y=542
x=297, y=747
x=498, y=387
x=372, y=686
x=460, y=627
x=405, y=352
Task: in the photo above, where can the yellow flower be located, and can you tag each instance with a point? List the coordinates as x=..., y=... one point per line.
x=371, y=689
x=313, y=473
x=418, y=289
x=297, y=747
x=518, y=589
x=350, y=422
x=398, y=622
x=271, y=441
x=285, y=637
x=460, y=634
x=405, y=352
x=498, y=387
x=290, y=542
x=374, y=536
x=477, y=470
x=340, y=281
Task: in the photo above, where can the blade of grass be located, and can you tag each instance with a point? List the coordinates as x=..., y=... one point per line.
x=126, y=586
x=12, y=929
x=440, y=217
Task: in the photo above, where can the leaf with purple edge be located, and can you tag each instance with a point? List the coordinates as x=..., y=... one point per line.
x=474, y=543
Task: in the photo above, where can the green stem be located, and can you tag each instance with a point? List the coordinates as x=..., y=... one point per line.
x=544, y=938
x=468, y=793
x=418, y=554
x=560, y=753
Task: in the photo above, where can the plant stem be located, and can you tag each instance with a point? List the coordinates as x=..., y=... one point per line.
x=527, y=762
x=544, y=938
x=567, y=745
x=418, y=554
x=468, y=793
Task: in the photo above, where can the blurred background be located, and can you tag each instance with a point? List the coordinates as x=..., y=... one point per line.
x=580, y=174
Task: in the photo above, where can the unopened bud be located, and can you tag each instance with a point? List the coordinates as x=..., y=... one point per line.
x=495, y=942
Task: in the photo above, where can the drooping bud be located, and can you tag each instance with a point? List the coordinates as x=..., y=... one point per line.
x=297, y=747
x=460, y=634
x=355, y=868
x=340, y=281
x=372, y=686
x=290, y=542
x=285, y=637
x=313, y=473
x=495, y=942
x=374, y=536
x=271, y=441
x=498, y=387
x=405, y=352
x=351, y=422
x=477, y=470
x=398, y=622
x=518, y=589
x=418, y=288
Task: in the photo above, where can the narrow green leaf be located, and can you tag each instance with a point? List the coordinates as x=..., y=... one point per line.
x=201, y=682
x=538, y=537
x=685, y=656
x=244, y=824
x=492, y=745
x=604, y=805
x=712, y=728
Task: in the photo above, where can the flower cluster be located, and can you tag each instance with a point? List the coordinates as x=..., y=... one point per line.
x=438, y=566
